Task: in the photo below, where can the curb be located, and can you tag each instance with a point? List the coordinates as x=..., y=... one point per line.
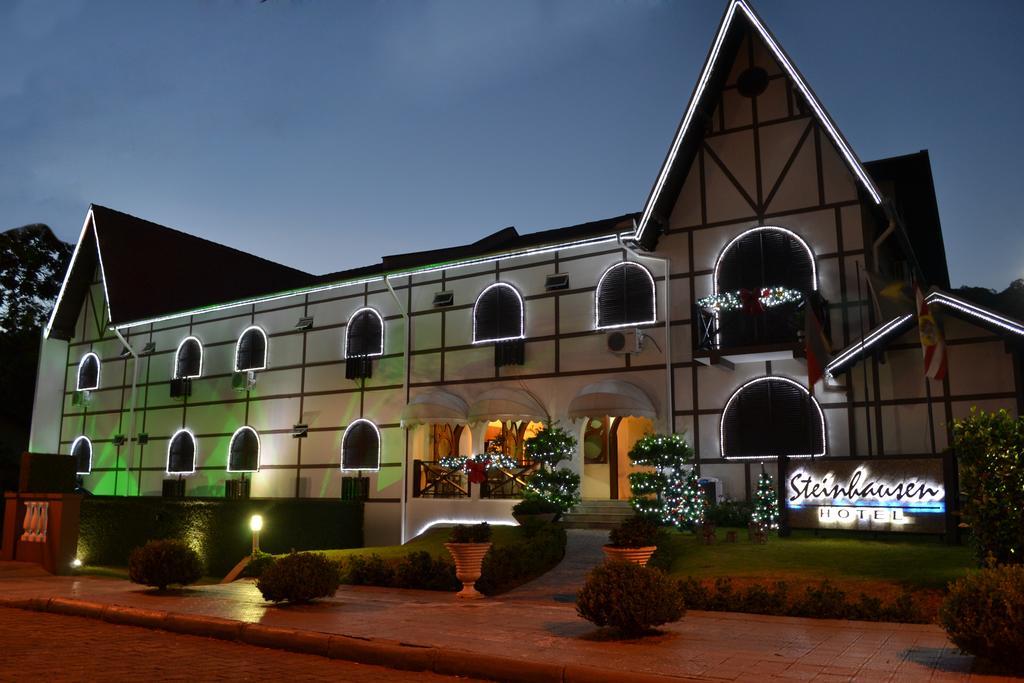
x=378, y=652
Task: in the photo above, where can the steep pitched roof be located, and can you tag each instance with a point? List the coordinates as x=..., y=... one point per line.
x=148, y=269
x=737, y=20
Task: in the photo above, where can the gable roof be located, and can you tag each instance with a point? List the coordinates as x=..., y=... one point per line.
x=738, y=18
x=885, y=333
x=149, y=269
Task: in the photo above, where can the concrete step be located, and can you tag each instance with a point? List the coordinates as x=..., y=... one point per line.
x=596, y=517
x=571, y=524
x=598, y=514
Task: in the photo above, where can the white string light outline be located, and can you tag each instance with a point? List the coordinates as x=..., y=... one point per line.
x=348, y=329
x=78, y=376
x=344, y=437
x=74, y=446
x=597, y=298
x=522, y=314
x=177, y=354
x=195, y=452
x=259, y=447
x=266, y=348
x=769, y=378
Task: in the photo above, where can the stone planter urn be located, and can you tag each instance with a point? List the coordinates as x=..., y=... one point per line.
x=635, y=555
x=469, y=559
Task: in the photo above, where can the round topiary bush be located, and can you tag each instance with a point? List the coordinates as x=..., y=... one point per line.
x=629, y=598
x=300, y=577
x=164, y=563
x=983, y=614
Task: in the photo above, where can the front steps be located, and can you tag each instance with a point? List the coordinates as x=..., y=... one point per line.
x=598, y=514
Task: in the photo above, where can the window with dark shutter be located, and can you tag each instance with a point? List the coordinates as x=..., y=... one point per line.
x=769, y=417
x=625, y=296
x=763, y=258
x=364, y=335
x=88, y=372
x=181, y=453
x=244, y=451
x=188, y=361
x=498, y=314
x=81, y=451
x=251, y=351
x=360, y=447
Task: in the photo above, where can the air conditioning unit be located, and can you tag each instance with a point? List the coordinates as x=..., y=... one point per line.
x=80, y=398
x=244, y=380
x=625, y=343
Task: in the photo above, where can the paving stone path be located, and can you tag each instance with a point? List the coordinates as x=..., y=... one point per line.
x=582, y=553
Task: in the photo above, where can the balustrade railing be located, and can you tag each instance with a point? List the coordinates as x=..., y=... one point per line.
x=37, y=514
x=507, y=482
x=433, y=480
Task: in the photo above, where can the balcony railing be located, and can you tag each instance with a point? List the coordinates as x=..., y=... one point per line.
x=736, y=330
x=434, y=480
x=507, y=482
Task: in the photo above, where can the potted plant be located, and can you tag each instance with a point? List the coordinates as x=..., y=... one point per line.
x=468, y=545
x=635, y=540
x=535, y=509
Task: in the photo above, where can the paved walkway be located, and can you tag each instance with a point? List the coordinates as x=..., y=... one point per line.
x=52, y=647
x=582, y=553
x=704, y=645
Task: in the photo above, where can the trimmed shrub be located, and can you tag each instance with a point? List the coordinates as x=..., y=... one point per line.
x=629, y=598
x=256, y=565
x=729, y=513
x=217, y=529
x=424, y=571
x=539, y=548
x=368, y=570
x=983, y=614
x=535, y=506
x=636, y=532
x=990, y=451
x=299, y=578
x=470, y=533
x=164, y=563
x=561, y=487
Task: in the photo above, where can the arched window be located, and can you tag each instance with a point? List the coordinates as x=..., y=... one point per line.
x=360, y=446
x=188, y=360
x=364, y=334
x=498, y=314
x=251, y=351
x=772, y=416
x=625, y=296
x=81, y=451
x=244, y=450
x=763, y=258
x=181, y=453
x=88, y=372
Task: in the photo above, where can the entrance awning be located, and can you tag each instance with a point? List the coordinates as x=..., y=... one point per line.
x=614, y=398
x=435, y=407
x=507, y=404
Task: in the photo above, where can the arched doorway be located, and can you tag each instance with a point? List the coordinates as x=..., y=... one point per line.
x=606, y=442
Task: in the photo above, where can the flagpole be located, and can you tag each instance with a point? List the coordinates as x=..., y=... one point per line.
x=864, y=364
x=931, y=417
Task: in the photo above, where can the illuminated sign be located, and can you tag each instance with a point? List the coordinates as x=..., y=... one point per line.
x=879, y=494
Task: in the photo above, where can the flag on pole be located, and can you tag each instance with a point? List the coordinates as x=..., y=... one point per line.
x=933, y=346
x=892, y=298
x=816, y=346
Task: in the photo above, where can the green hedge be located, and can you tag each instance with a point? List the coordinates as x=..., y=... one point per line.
x=218, y=529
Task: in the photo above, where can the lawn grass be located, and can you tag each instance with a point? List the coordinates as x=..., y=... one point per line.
x=915, y=563
x=102, y=571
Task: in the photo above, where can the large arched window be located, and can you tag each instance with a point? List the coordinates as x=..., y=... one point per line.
x=244, y=450
x=765, y=272
x=88, y=373
x=182, y=450
x=81, y=451
x=251, y=351
x=188, y=360
x=498, y=314
x=364, y=339
x=360, y=446
x=772, y=416
x=625, y=296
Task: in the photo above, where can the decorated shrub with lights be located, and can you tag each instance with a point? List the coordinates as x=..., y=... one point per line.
x=983, y=614
x=629, y=598
x=990, y=450
x=766, y=503
x=300, y=578
x=559, y=487
x=666, y=453
x=550, y=446
x=535, y=506
x=164, y=563
x=684, y=502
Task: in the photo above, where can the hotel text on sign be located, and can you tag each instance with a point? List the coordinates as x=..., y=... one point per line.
x=906, y=495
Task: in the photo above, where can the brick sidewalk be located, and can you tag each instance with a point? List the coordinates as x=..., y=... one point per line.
x=704, y=645
x=50, y=647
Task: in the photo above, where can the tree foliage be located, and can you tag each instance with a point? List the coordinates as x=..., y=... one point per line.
x=990, y=451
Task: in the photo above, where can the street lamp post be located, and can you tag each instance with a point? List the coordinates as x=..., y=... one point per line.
x=256, y=524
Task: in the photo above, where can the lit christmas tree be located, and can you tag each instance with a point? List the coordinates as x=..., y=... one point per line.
x=766, y=503
x=684, y=502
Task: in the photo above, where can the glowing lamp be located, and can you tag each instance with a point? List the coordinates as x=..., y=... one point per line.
x=76, y=563
x=256, y=522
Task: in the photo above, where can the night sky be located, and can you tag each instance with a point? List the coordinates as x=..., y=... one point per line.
x=325, y=134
